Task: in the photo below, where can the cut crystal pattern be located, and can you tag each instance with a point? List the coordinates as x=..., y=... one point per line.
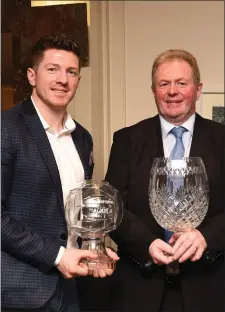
x=178, y=193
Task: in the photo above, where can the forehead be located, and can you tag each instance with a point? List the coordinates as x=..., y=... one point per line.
x=60, y=57
x=174, y=69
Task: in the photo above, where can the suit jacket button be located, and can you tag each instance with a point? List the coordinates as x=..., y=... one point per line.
x=63, y=236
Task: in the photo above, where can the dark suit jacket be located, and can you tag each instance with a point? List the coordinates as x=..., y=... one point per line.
x=33, y=221
x=132, y=154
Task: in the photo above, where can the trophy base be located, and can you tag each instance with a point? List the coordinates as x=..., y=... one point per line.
x=97, y=246
x=104, y=263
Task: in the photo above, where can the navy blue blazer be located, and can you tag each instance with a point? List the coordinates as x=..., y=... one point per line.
x=33, y=220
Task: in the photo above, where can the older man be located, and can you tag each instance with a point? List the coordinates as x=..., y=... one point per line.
x=199, y=287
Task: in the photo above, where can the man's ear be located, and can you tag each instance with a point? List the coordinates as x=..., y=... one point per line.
x=78, y=81
x=199, y=90
x=153, y=90
x=31, y=76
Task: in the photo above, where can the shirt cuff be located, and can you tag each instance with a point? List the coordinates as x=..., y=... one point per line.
x=60, y=254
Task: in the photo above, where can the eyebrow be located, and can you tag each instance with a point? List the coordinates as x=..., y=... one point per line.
x=57, y=65
x=176, y=80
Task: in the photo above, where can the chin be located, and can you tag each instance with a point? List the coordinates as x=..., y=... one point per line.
x=175, y=114
x=61, y=102
x=175, y=117
x=179, y=111
x=59, y=106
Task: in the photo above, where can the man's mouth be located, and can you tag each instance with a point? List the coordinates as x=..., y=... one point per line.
x=59, y=90
x=174, y=101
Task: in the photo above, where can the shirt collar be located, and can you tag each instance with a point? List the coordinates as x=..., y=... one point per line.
x=69, y=124
x=166, y=126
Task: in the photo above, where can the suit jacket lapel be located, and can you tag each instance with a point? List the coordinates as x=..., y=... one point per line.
x=79, y=143
x=39, y=135
x=154, y=139
x=200, y=138
x=202, y=146
x=148, y=146
x=153, y=148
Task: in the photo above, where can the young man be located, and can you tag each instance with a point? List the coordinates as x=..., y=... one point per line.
x=199, y=287
x=44, y=155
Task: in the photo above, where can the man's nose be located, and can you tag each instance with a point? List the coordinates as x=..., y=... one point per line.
x=62, y=77
x=172, y=89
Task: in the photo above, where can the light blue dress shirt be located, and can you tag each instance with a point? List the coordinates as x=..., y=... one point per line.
x=169, y=139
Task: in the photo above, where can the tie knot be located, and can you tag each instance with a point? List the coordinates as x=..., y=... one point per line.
x=178, y=131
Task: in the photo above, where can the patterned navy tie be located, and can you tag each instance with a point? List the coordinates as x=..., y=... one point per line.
x=177, y=153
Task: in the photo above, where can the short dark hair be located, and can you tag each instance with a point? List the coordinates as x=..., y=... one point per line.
x=59, y=42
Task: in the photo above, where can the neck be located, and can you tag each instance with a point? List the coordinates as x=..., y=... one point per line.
x=177, y=121
x=54, y=117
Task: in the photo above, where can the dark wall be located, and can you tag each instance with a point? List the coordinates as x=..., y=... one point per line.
x=23, y=25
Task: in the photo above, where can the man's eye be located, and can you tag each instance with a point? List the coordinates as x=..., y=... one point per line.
x=181, y=83
x=73, y=73
x=52, y=69
x=163, y=84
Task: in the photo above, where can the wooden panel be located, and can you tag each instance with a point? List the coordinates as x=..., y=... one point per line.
x=6, y=97
x=7, y=64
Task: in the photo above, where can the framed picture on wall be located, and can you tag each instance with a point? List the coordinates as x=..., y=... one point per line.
x=211, y=105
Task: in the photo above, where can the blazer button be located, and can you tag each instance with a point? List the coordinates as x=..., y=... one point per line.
x=63, y=236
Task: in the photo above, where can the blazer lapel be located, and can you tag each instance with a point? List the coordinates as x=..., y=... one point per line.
x=202, y=146
x=148, y=146
x=39, y=135
x=200, y=139
x=154, y=139
x=79, y=143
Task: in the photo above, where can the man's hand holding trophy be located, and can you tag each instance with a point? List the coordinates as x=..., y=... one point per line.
x=92, y=210
x=179, y=199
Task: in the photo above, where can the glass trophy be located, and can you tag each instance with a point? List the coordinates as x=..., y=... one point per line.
x=178, y=193
x=92, y=210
